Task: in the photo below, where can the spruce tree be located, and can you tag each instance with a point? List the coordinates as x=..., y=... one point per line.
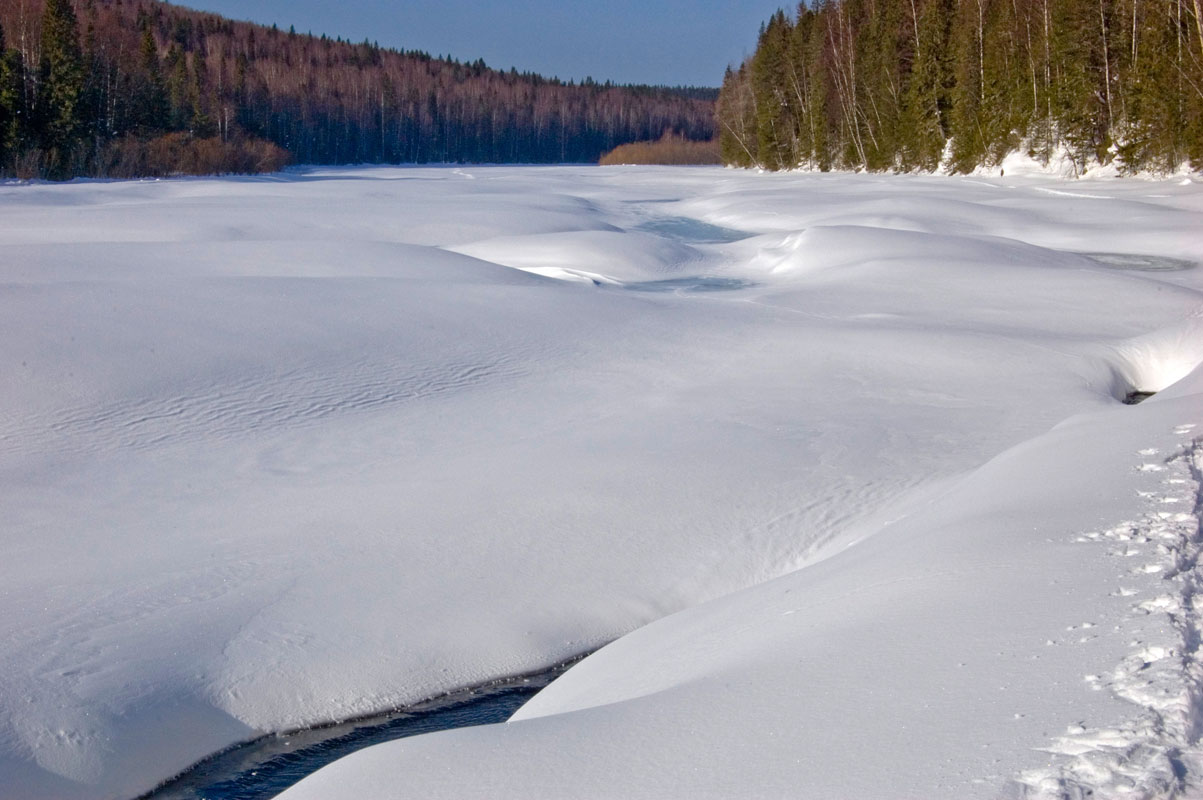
x=1192, y=102
x=10, y=103
x=179, y=89
x=201, y=124
x=774, y=115
x=152, y=108
x=1077, y=99
x=923, y=126
x=61, y=88
x=98, y=81
x=880, y=81
x=968, y=96
x=1003, y=113
x=1154, y=107
x=811, y=86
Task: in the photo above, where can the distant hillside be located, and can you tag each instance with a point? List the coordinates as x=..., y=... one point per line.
x=125, y=87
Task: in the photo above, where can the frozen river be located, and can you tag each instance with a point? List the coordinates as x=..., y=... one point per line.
x=841, y=462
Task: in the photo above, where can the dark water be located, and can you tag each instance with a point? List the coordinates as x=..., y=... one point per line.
x=1134, y=398
x=265, y=767
x=693, y=231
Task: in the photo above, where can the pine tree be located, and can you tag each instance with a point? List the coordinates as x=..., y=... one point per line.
x=61, y=87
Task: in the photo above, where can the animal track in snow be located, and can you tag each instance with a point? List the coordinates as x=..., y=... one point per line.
x=1155, y=754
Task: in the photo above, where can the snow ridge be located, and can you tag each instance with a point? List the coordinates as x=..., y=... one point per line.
x=1155, y=755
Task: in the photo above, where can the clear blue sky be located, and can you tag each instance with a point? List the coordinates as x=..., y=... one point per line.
x=626, y=41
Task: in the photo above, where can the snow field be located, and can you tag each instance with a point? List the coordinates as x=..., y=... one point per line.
x=284, y=450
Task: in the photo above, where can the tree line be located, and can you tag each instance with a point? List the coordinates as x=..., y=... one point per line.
x=927, y=84
x=138, y=87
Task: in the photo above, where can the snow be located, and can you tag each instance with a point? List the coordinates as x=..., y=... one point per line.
x=869, y=521
x=1062, y=164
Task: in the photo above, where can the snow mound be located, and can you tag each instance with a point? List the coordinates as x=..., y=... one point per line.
x=829, y=247
x=597, y=256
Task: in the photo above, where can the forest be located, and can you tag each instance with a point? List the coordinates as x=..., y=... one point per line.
x=921, y=85
x=123, y=88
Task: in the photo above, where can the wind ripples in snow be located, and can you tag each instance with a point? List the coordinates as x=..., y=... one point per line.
x=238, y=407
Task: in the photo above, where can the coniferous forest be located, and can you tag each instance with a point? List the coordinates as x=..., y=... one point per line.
x=955, y=84
x=124, y=88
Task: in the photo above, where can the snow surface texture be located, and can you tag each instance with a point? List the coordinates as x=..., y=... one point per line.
x=840, y=461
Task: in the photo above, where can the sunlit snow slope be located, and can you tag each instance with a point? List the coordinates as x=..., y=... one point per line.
x=846, y=453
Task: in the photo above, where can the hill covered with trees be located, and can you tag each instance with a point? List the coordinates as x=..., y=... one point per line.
x=135, y=87
x=924, y=84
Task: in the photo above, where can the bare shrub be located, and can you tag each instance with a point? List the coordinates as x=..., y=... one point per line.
x=181, y=154
x=669, y=149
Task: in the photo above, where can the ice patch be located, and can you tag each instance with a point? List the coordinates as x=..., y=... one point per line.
x=1140, y=263
x=692, y=231
x=700, y=283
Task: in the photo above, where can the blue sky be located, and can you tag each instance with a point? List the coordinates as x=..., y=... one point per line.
x=627, y=41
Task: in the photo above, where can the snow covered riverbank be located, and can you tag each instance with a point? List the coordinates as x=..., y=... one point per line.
x=284, y=450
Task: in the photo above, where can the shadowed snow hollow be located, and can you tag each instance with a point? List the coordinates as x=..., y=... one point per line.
x=1159, y=359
